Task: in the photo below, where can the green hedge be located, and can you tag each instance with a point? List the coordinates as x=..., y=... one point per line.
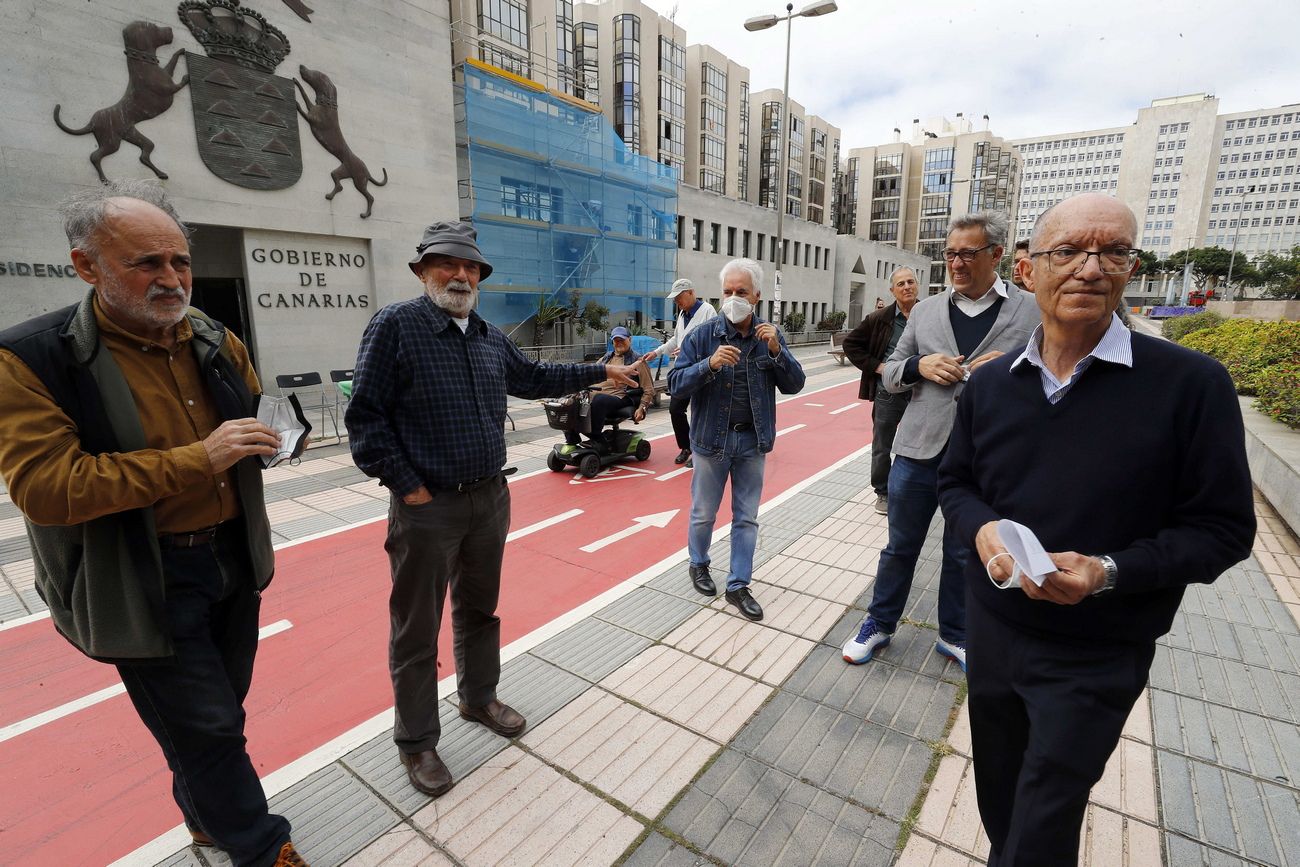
x=1263, y=359
x=1178, y=327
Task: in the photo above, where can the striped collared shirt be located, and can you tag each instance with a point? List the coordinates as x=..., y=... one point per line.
x=1115, y=346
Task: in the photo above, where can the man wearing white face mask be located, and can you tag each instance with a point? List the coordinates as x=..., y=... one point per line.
x=731, y=368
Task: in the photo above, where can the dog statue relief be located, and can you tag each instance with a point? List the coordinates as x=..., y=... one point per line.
x=149, y=92
x=323, y=118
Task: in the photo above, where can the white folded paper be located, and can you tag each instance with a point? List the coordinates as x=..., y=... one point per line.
x=1027, y=553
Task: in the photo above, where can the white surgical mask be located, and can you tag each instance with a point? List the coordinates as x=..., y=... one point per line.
x=736, y=309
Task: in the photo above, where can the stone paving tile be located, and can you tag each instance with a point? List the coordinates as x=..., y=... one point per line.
x=401, y=846
x=745, y=813
x=697, y=694
x=799, y=614
x=1253, y=744
x=658, y=851
x=535, y=688
x=1112, y=839
x=516, y=810
x=838, y=752
x=1128, y=784
x=840, y=555
x=649, y=612
x=334, y=815
x=285, y=511
x=1248, y=688
x=814, y=579
x=896, y=698
x=637, y=758
x=1186, y=853
x=950, y=812
x=924, y=852
x=1228, y=810
x=740, y=645
x=463, y=745
x=333, y=499
x=912, y=646
x=15, y=549
x=296, y=487
x=185, y=858
x=309, y=525
x=591, y=648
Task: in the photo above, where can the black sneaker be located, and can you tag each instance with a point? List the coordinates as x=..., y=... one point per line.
x=682, y=457
x=702, y=580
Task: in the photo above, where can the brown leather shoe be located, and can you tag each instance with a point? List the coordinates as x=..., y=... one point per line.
x=501, y=718
x=200, y=839
x=289, y=857
x=426, y=772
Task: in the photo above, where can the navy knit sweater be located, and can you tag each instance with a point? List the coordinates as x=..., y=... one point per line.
x=1146, y=464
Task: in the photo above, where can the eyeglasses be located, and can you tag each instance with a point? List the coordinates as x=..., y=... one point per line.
x=966, y=256
x=1068, y=260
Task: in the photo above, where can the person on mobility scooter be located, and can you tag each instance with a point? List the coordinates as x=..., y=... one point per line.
x=608, y=404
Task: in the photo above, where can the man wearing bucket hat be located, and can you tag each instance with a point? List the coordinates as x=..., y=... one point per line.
x=692, y=312
x=427, y=418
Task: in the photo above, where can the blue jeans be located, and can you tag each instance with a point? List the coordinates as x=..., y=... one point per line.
x=741, y=460
x=192, y=703
x=913, y=499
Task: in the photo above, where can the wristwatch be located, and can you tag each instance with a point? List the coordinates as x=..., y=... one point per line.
x=1111, y=572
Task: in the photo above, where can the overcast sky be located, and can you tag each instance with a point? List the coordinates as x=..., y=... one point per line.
x=1035, y=68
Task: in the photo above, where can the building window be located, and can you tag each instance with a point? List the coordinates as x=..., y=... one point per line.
x=627, y=80
x=502, y=59
x=564, y=52
x=715, y=237
x=742, y=179
x=506, y=20
x=586, y=57
x=697, y=229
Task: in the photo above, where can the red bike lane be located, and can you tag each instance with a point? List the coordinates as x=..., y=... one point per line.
x=90, y=786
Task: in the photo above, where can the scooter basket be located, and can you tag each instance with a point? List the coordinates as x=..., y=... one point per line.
x=569, y=413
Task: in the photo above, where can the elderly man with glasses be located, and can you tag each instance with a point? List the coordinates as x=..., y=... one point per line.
x=1070, y=436
x=947, y=336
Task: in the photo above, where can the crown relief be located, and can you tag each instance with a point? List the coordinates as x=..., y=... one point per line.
x=229, y=31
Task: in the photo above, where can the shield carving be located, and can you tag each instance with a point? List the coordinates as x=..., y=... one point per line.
x=247, y=123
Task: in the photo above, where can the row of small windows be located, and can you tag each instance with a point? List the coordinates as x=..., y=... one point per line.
x=1277, y=171
x=1252, y=122
x=1272, y=188
x=805, y=255
x=1257, y=156
x=1167, y=128
x=1254, y=222
x=1257, y=206
x=1088, y=141
x=1070, y=173
x=1262, y=139
x=1089, y=156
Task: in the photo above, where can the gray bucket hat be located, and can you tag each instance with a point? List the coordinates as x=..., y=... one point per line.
x=451, y=238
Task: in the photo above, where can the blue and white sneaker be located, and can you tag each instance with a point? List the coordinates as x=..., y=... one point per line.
x=870, y=637
x=954, y=651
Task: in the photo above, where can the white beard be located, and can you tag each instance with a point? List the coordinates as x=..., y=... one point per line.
x=456, y=297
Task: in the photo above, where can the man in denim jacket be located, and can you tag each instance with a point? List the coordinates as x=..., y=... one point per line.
x=730, y=369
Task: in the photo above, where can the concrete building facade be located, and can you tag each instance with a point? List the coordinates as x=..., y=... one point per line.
x=293, y=268
x=717, y=123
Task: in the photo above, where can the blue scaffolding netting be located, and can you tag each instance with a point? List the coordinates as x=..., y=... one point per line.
x=561, y=204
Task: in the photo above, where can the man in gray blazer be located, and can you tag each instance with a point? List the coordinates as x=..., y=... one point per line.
x=977, y=319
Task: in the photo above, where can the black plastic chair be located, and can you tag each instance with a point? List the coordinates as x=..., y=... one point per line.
x=311, y=396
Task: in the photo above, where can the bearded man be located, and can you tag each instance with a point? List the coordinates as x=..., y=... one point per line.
x=427, y=418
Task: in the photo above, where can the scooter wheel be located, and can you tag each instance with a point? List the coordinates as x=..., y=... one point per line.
x=589, y=466
x=643, y=450
x=554, y=462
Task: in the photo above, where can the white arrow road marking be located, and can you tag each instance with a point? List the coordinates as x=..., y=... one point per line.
x=34, y=722
x=844, y=409
x=542, y=525
x=672, y=475
x=613, y=473
x=791, y=429
x=659, y=519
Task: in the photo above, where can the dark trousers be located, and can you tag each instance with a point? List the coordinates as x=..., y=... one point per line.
x=456, y=540
x=1045, y=717
x=913, y=500
x=193, y=703
x=886, y=413
x=677, y=407
x=602, y=406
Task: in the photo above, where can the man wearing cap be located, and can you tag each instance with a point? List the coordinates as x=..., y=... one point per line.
x=612, y=395
x=692, y=312
x=427, y=418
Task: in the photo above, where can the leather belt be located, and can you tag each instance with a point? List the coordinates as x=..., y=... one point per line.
x=188, y=540
x=741, y=426
x=466, y=487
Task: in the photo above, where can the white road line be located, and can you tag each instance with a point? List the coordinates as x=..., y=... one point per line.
x=814, y=404
x=542, y=525
x=68, y=708
x=845, y=408
x=791, y=429
x=672, y=475
x=659, y=519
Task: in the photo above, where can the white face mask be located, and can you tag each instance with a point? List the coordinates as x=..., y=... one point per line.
x=736, y=309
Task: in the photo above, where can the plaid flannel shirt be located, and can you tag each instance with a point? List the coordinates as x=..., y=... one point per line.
x=429, y=403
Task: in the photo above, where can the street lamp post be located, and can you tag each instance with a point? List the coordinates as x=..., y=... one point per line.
x=1241, y=197
x=763, y=22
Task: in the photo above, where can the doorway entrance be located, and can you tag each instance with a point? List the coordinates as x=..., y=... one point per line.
x=219, y=280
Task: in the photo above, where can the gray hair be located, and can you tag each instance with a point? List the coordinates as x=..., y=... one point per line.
x=750, y=267
x=994, y=224
x=899, y=270
x=85, y=211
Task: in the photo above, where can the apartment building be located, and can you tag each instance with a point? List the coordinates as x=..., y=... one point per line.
x=1058, y=166
x=717, y=123
x=811, y=145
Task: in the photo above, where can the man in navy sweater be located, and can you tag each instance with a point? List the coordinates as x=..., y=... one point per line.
x=1125, y=455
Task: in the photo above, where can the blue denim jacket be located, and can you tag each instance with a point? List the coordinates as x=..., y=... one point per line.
x=710, y=390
